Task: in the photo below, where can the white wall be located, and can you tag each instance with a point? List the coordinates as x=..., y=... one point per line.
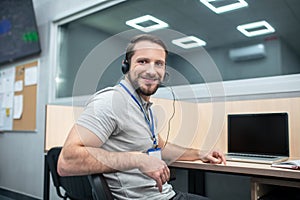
x=22, y=153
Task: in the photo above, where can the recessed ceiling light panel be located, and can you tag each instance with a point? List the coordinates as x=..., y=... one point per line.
x=221, y=6
x=147, y=23
x=256, y=28
x=189, y=42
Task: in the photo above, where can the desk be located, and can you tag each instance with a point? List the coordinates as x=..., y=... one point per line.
x=60, y=119
x=250, y=169
x=263, y=176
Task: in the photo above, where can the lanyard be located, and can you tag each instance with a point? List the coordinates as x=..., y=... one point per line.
x=151, y=125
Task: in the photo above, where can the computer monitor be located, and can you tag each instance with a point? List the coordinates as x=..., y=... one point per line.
x=259, y=133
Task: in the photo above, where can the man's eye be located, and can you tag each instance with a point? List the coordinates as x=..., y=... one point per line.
x=142, y=62
x=160, y=64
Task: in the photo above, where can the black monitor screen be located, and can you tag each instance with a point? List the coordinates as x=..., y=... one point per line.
x=18, y=31
x=258, y=133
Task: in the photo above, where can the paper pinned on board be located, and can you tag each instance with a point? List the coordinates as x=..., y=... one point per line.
x=18, y=86
x=8, y=100
x=18, y=106
x=30, y=76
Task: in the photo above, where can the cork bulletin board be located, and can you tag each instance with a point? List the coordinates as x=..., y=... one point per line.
x=25, y=77
x=18, y=87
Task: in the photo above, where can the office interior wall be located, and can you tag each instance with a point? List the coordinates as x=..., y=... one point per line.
x=290, y=62
x=279, y=60
x=253, y=68
x=77, y=44
x=22, y=153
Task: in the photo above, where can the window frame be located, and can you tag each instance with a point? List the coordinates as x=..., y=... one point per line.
x=279, y=86
x=55, y=41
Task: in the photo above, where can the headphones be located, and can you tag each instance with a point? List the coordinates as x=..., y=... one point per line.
x=125, y=66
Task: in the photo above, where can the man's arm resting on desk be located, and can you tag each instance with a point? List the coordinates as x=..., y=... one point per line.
x=82, y=154
x=172, y=152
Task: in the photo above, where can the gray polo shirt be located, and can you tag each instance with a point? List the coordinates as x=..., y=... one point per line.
x=114, y=116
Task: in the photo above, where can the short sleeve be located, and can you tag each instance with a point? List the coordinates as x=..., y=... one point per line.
x=98, y=116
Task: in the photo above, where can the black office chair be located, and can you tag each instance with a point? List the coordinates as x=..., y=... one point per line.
x=75, y=187
x=100, y=188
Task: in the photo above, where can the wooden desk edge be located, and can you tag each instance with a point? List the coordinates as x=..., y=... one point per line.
x=241, y=168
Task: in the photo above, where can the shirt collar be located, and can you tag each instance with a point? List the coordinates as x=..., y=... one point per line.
x=146, y=105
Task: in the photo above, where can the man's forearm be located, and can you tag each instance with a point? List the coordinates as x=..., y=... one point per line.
x=82, y=154
x=173, y=152
x=91, y=160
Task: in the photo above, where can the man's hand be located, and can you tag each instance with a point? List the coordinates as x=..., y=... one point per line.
x=214, y=157
x=156, y=169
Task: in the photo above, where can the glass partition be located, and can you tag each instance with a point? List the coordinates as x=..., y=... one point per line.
x=255, y=39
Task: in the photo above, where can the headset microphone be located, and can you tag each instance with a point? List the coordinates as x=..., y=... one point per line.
x=166, y=78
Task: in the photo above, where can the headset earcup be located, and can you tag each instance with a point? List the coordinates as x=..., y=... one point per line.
x=125, y=67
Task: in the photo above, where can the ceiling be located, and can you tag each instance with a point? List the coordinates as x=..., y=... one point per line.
x=191, y=17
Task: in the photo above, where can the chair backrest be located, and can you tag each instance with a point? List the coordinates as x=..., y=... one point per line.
x=100, y=188
x=75, y=187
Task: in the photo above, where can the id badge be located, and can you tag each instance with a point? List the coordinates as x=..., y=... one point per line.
x=156, y=152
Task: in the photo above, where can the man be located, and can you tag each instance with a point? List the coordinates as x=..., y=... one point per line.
x=115, y=134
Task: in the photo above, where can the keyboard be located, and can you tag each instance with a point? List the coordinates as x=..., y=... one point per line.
x=251, y=155
x=255, y=158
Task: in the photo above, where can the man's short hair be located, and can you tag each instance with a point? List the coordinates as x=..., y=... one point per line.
x=143, y=37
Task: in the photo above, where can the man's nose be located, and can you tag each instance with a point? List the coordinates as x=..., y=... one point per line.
x=151, y=68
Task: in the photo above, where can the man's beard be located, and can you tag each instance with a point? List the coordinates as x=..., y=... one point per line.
x=140, y=90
